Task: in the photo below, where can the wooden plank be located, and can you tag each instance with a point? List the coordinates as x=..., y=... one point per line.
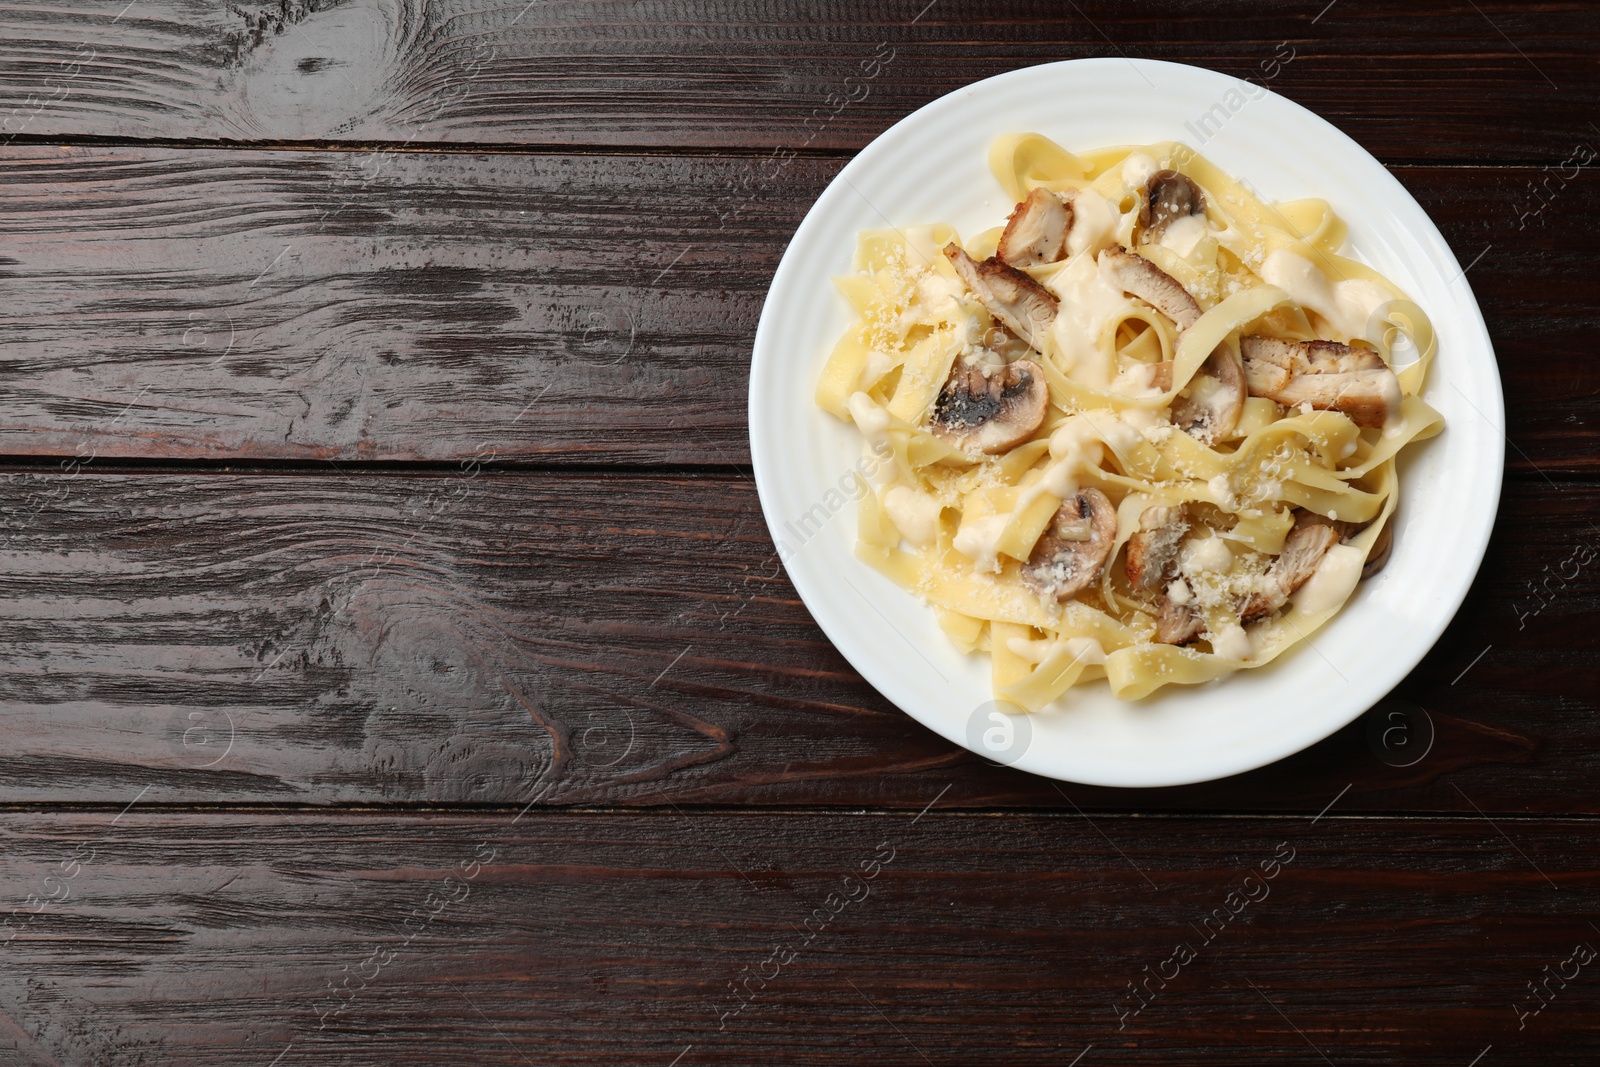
x=626, y=640
x=1497, y=80
x=619, y=938
x=290, y=305
x=420, y=306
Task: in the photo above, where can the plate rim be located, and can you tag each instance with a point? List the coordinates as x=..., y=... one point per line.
x=810, y=592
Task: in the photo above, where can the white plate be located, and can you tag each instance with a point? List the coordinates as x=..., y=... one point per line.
x=931, y=167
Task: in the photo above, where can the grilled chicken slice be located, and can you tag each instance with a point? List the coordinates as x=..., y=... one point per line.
x=1168, y=196
x=1037, y=231
x=1024, y=306
x=1303, y=549
x=1178, y=624
x=1381, y=549
x=1215, y=400
x=1139, y=277
x=1152, y=559
x=1328, y=375
x=1074, y=548
x=1153, y=549
x=994, y=412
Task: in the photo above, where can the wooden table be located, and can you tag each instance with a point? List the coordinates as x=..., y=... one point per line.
x=397, y=665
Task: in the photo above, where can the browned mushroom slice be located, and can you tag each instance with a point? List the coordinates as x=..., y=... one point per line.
x=1328, y=375
x=1303, y=549
x=1379, y=554
x=1025, y=307
x=1168, y=196
x=991, y=413
x=1139, y=277
x=1215, y=397
x=1037, y=230
x=1073, y=550
x=1153, y=549
x=1178, y=624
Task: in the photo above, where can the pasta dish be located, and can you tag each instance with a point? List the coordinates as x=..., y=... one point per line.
x=1145, y=430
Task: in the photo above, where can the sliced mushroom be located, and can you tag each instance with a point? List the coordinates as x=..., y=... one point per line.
x=1215, y=399
x=1025, y=307
x=994, y=412
x=1178, y=624
x=1328, y=375
x=1139, y=277
x=1153, y=549
x=1037, y=230
x=1168, y=196
x=1303, y=549
x=1379, y=554
x=1073, y=550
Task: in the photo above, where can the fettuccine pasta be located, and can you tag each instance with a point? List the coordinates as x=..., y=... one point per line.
x=1144, y=431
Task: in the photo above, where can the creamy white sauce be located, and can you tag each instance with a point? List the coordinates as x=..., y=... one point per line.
x=1205, y=555
x=1060, y=479
x=1074, y=444
x=1117, y=433
x=870, y=419
x=1361, y=300
x=1094, y=220
x=1184, y=233
x=1137, y=170
x=1151, y=423
x=1348, y=305
x=914, y=514
x=1179, y=593
x=1077, y=440
x=1331, y=584
x=1087, y=304
x=1232, y=643
x=1222, y=489
x=1136, y=381
x=979, y=540
x=933, y=299
x=1394, y=423
x=1303, y=281
x=939, y=294
x=879, y=363
x=1084, y=650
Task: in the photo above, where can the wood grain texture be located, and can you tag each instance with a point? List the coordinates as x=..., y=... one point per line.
x=539, y=235
x=616, y=939
x=1488, y=81
x=625, y=640
x=420, y=306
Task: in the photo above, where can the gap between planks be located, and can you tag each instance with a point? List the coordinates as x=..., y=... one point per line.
x=556, y=148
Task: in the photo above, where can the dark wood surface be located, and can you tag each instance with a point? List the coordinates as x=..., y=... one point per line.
x=398, y=668
x=587, y=938
x=195, y=304
x=313, y=638
x=1492, y=81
